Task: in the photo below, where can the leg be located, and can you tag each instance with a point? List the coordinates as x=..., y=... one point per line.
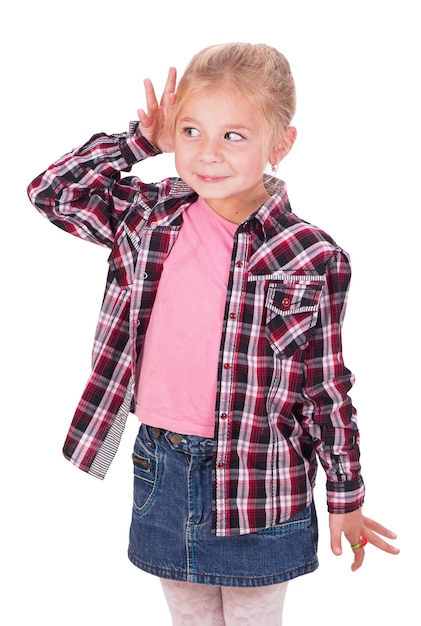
x=255, y=606
x=192, y=604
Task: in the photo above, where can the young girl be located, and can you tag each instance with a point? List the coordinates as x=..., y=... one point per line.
x=221, y=330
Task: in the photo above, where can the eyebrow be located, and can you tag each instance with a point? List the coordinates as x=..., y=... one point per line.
x=233, y=126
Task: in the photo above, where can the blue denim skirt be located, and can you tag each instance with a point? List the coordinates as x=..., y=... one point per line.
x=171, y=528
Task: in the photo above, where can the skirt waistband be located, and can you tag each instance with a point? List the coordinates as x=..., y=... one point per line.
x=189, y=444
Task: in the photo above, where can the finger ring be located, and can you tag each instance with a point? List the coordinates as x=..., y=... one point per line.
x=362, y=542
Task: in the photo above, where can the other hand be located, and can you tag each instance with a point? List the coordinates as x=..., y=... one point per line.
x=355, y=526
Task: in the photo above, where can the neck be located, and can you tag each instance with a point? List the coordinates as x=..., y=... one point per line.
x=236, y=211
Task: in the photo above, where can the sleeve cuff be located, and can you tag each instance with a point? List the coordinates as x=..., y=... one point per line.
x=135, y=147
x=345, y=497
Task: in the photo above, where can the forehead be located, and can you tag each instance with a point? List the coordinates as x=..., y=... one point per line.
x=223, y=105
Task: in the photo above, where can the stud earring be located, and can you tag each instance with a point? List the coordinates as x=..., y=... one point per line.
x=274, y=168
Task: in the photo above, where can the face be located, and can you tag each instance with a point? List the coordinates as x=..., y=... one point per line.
x=220, y=152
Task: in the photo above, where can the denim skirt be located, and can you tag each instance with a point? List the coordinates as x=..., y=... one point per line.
x=171, y=528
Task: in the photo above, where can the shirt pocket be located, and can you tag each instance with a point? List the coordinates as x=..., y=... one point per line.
x=291, y=312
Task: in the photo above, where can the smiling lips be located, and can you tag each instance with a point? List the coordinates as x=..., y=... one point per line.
x=211, y=179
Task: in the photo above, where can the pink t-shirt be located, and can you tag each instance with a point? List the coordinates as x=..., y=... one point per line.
x=176, y=387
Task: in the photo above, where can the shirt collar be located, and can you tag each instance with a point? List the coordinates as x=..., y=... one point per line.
x=269, y=215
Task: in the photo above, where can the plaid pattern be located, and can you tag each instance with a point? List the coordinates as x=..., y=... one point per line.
x=282, y=395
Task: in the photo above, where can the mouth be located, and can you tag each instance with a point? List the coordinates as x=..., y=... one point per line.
x=211, y=179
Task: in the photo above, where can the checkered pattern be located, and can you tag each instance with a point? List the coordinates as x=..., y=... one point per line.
x=282, y=395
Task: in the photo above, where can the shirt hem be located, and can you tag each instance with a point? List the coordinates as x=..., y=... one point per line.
x=176, y=426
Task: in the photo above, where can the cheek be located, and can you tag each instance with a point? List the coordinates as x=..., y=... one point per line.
x=178, y=155
x=181, y=153
x=181, y=163
x=255, y=159
x=257, y=165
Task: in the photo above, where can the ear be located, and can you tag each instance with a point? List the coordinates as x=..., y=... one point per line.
x=284, y=145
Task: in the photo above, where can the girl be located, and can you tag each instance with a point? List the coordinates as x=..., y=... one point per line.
x=221, y=330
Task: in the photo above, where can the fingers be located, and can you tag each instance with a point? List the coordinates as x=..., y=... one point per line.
x=155, y=118
x=336, y=546
x=374, y=533
x=336, y=540
x=359, y=552
x=379, y=543
x=169, y=90
x=171, y=82
x=157, y=113
x=354, y=526
x=348, y=524
x=359, y=555
x=151, y=101
x=168, y=95
x=379, y=528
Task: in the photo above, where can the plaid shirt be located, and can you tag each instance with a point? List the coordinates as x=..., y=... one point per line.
x=282, y=394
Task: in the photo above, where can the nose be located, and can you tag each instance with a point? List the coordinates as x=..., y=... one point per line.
x=210, y=151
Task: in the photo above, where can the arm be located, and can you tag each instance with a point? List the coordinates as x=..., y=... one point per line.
x=83, y=192
x=326, y=411
x=329, y=417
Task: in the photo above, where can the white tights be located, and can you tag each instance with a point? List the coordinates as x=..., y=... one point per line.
x=192, y=604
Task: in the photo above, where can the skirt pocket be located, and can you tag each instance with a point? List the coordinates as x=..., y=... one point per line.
x=147, y=473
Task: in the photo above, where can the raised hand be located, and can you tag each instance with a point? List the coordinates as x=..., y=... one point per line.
x=154, y=122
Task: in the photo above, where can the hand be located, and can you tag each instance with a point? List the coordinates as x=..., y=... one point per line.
x=354, y=526
x=154, y=123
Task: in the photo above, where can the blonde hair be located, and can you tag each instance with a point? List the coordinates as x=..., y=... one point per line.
x=258, y=73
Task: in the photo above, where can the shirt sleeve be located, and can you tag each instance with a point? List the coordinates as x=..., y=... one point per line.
x=83, y=192
x=327, y=412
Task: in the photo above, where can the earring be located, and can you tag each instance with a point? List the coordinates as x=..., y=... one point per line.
x=274, y=168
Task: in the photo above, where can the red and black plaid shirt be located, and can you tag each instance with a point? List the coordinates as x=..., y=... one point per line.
x=282, y=395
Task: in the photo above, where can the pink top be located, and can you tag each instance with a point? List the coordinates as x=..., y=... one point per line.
x=176, y=387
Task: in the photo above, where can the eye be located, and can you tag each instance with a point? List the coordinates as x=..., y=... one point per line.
x=232, y=136
x=190, y=132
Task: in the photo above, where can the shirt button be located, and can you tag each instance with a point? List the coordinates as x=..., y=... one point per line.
x=233, y=316
x=227, y=366
x=239, y=264
x=221, y=465
x=224, y=416
x=286, y=302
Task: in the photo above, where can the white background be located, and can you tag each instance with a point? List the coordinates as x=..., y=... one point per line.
x=71, y=69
